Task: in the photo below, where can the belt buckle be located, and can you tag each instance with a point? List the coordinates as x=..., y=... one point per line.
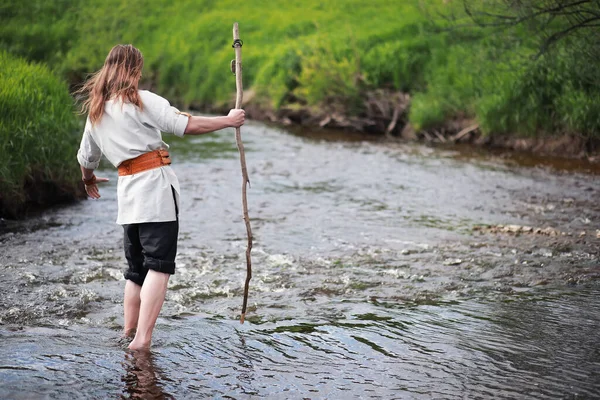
x=165, y=159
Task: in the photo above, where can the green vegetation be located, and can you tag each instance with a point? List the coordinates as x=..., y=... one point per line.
x=321, y=52
x=313, y=53
x=37, y=137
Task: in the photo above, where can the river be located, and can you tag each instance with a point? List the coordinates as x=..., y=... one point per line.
x=376, y=275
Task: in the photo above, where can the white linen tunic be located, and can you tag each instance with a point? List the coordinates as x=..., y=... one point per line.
x=125, y=132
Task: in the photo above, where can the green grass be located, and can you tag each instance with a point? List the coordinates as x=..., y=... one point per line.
x=318, y=53
x=38, y=139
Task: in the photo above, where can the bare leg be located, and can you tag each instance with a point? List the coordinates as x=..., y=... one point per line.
x=152, y=296
x=131, y=307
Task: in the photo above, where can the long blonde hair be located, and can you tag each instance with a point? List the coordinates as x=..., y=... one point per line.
x=118, y=78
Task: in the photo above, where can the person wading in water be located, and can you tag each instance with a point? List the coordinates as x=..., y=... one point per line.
x=125, y=124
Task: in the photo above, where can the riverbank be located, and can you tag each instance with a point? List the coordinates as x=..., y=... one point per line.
x=385, y=114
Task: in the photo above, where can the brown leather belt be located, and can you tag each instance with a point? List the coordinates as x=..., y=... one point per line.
x=146, y=161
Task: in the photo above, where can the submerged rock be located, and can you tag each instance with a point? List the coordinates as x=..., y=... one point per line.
x=518, y=229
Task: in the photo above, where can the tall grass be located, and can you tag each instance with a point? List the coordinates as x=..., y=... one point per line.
x=329, y=52
x=38, y=139
x=310, y=51
x=38, y=30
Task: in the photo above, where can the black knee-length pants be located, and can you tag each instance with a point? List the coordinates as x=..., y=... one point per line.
x=150, y=246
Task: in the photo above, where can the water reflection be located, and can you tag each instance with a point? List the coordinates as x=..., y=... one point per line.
x=244, y=368
x=142, y=378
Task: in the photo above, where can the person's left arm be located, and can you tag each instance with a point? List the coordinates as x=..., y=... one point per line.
x=90, y=182
x=88, y=156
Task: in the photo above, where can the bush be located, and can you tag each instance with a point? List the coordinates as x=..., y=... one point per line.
x=38, y=139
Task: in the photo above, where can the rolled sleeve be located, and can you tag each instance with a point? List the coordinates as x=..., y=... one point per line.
x=162, y=115
x=89, y=153
x=180, y=124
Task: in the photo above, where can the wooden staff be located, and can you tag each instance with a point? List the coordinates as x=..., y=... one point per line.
x=237, y=45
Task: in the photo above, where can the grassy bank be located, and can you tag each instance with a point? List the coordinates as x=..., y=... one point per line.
x=323, y=53
x=314, y=53
x=38, y=137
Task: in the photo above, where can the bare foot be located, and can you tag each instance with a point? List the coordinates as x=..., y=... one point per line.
x=139, y=345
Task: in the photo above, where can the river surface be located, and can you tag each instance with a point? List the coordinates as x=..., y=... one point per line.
x=376, y=275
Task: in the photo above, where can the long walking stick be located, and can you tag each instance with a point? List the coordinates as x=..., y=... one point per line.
x=237, y=45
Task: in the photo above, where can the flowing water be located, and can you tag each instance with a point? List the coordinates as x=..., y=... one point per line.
x=371, y=279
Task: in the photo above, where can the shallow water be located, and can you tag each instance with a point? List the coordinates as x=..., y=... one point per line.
x=369, y=280
x=519, y=349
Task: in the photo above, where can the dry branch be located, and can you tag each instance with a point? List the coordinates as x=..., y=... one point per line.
x=237, y=45
x=464, y=132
